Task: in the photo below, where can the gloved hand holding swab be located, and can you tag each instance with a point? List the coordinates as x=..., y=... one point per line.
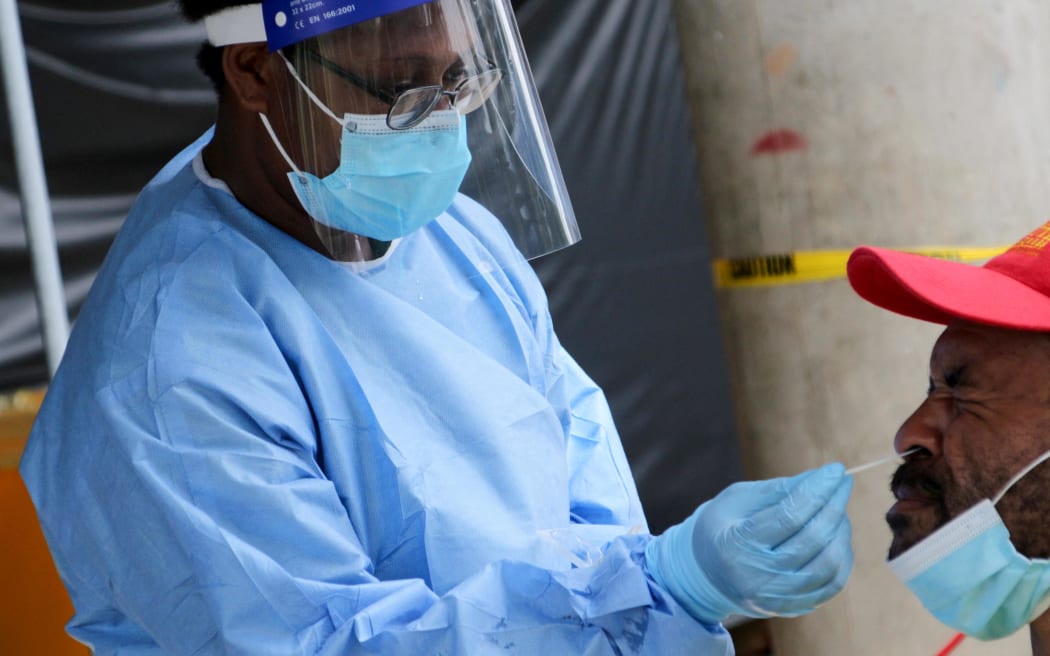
x=777, y=547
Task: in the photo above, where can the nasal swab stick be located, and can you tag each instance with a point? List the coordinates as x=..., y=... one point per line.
x=881, y=461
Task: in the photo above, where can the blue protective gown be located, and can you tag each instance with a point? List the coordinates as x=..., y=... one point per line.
x=252, y=449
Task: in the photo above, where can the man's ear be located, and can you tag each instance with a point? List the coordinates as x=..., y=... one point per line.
x=248, y=77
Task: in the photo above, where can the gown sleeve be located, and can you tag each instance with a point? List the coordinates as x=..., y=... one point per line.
x=239, y=545
x=189, y=512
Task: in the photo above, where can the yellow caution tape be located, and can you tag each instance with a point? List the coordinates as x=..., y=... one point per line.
x=813, y=266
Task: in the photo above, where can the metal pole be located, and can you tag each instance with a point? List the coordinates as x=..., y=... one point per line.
x=36, y=208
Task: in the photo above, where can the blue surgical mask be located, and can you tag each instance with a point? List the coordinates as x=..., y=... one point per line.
x=389, y=183
x=971, y=577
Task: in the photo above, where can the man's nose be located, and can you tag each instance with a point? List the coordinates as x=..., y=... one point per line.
x=923, y=429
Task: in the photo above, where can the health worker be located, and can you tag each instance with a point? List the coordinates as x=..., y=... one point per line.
x=314, y=403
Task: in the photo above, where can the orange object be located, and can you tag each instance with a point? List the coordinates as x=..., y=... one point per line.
x=34, y=606
x=952, y=644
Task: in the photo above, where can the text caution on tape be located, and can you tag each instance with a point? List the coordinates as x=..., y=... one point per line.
x=814, y=266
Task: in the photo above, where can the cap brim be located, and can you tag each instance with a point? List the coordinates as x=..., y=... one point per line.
x=941, y=291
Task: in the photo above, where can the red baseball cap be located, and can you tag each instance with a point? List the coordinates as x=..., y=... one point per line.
x=1011, y=290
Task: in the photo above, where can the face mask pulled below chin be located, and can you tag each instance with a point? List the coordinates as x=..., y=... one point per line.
x=971, y=577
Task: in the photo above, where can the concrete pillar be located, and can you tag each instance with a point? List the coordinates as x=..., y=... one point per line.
x=824, y=124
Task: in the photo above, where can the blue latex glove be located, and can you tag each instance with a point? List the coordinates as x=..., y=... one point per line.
x=760, y=549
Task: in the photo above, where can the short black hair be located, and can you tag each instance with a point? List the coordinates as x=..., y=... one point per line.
x=209, y=58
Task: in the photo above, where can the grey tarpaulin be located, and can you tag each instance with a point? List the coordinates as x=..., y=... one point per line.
x=117, y=93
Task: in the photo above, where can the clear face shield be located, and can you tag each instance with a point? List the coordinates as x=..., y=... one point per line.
x=395, y=107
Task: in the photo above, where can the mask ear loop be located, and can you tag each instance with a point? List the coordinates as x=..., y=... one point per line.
x=277, y=142
x=1035, y=463
x=313, y=98
x=309, y=92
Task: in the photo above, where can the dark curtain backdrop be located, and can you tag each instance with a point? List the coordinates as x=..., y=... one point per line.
x=117, y=93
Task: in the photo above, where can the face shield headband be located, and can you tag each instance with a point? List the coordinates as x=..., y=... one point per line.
x=383, y=51
x=971, y=577
x=282, y=23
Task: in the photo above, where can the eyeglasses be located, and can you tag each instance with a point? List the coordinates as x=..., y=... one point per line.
x=409, y=108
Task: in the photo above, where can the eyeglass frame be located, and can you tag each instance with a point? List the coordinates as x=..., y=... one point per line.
x=392, y=99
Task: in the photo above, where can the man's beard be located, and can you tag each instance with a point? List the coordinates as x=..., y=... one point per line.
x=1025, y=504
x=934, y=483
